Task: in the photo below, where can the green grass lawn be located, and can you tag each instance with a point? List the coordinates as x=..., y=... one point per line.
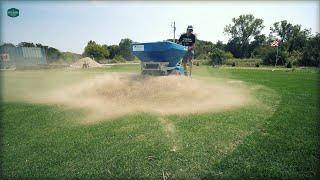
x=277, y=139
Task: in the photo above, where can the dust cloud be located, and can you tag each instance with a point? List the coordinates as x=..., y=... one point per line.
x=113, y=95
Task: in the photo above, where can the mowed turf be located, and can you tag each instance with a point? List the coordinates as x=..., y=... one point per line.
x=275, y=138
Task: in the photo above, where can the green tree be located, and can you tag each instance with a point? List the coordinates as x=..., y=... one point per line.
x=96, y=51
x=70, y=57
x=235, y=47
x=43, y=47
x=298, y=39
x=296, y=42
x=243, y=29
x=220, y=45
x=262, y=50
x=53, y=54
x=114, y=51
x=26, y=44
x=283, y=29
x=218, y=56
x=203, y=48
x=7, y=45
x=292, y=37
x=259, y=41
x=311, y=53
x=270, y=57
x=124, y=49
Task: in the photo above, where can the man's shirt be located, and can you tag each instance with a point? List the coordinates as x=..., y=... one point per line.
x=187, y=40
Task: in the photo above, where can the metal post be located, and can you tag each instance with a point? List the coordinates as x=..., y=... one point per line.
x=276, y=57
x=174, y=31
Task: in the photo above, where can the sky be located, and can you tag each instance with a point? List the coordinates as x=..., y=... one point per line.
x=68, y=26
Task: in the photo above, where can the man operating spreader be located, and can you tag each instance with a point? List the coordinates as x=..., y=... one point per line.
x=163, y=57
x=188, y=39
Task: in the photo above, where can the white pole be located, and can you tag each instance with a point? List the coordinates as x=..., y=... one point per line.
x=276, y=57
x=174, y=31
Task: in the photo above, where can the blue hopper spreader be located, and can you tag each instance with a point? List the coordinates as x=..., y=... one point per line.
x=159, y=58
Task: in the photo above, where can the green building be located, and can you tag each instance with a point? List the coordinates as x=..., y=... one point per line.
x=21, y=57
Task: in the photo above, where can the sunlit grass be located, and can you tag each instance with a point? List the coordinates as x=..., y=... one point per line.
x=276, y=137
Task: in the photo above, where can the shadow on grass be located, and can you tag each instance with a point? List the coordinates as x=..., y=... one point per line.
x=283, y=147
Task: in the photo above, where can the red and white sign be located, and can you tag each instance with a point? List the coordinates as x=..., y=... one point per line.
x=4, y=57
x=275, y=43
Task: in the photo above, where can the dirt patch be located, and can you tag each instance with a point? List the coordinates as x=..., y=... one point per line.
x=169, y=129
x=90, y=62
x=112, y=95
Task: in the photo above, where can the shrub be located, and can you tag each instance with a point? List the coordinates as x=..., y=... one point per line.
x=270, y=57
x=219, y=57
x=112, y=61
x=203, y=57
x=261, y=51
x=229, y=62
x=228, y=55
x=206, y=62
x=257, y=65
x=289, y=65
x=119, y=59
x=233, y=64
x=251, y=62
x=196, y=62
x=311, y=53
x=294, y=57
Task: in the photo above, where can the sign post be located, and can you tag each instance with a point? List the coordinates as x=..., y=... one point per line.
x=174, y=31
x=276, y=44
x=13, y=12
x=276, y=57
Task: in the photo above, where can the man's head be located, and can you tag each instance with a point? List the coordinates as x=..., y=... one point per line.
x=189, y=29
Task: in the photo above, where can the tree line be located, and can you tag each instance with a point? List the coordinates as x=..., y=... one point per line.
x=297, y=46
x=120, y=52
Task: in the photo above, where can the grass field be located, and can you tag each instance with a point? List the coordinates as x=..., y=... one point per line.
x=279, y=138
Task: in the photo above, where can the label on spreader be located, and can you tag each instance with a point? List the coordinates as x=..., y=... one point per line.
x=138, y=47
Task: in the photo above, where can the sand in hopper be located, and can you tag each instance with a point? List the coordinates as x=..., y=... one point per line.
x=113, y=95
x=79, y=63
